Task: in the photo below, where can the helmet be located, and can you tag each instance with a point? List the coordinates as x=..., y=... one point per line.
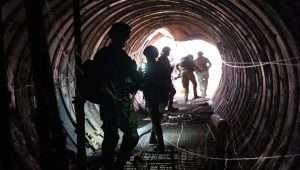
x=166, y=49
x=150, y=51
x=200, y=53
x=119, y=30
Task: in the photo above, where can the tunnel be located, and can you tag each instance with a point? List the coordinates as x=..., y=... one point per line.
x=258, y=94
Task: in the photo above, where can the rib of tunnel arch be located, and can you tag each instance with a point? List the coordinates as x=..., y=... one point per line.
x=254, y=100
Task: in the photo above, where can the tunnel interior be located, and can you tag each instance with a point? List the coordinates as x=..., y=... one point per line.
x=258, y=93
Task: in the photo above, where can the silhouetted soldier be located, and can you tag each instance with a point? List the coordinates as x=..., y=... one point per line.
x=166, y=62
x=118, y=79
x=156, y=81
x=202, y=65
x=186, y=68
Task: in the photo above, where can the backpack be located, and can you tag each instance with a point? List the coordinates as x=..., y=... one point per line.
x=89, y=86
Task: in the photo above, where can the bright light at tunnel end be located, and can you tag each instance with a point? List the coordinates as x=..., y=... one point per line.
x=180, y=49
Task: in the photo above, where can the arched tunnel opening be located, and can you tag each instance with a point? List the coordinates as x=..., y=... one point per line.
x=183, y=47
x=258, y=92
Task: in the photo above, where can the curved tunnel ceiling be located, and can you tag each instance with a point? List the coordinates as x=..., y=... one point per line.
x=259, y=89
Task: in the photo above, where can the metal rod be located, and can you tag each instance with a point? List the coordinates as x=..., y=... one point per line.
x=6, y=147
x=79, y=102
x=46, y=117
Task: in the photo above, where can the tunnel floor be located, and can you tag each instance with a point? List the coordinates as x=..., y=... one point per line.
x=187, y=137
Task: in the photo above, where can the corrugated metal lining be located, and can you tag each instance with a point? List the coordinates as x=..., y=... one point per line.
x=259, y=99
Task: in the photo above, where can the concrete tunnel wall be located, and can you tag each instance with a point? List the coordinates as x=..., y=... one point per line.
x=260, y=99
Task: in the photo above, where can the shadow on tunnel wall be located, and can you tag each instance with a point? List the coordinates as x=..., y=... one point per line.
x=258, y=93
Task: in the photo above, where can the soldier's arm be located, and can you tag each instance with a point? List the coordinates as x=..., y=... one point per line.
x=209, y=63
x=178, y=68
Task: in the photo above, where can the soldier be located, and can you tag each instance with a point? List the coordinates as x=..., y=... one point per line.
x=156, y=81
x=186, y=68
x=202, y=67
x=117, y=76
x=171, y=89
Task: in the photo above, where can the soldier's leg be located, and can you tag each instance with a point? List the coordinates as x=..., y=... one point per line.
x=193, y=80
x=153, y=139
x=204, y=82
x=171, y=96
x=156, y=120
x=185, y=84
x=130, y=140
x=111, y=136
x=200, y=80
x=205, y=76
x=128, y=124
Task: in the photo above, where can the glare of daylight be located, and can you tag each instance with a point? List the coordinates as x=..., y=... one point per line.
x=180, y=49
